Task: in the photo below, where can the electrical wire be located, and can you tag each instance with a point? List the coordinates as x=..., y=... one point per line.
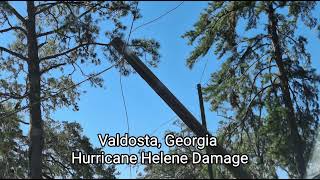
x=122, y=91
x=161, y=16
x=121, y=84
x=163, y=124
x=203, y=71
x=127, y=117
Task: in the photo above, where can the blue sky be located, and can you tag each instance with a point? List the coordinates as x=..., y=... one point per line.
x=146, y=110
x=102, y=110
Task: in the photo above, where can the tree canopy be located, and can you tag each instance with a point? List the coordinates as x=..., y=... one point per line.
x=69, y=135
x=266, y=89
x=170, y=171
x=52, y=43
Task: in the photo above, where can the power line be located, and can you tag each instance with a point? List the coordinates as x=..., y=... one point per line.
x=155, y=130
x=121, y=84
x=156, y=19
x=163, y=124
x=204, y=69
x=121, y=87
x=127, y=117
x=131, y=31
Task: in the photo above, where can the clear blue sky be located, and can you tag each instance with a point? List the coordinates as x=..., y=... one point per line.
x=101, y=109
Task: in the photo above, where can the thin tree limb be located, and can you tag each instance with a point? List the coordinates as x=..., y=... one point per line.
x=67, y=24
x=72, y=49
x=52, y=67
x=15, y=12
x=13, y=53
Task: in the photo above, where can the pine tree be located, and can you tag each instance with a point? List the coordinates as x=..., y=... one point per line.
x=13, y=154
x=178, y=171
x=56, y=161
x=56, y=156
x=266, y=86
x=52, y=42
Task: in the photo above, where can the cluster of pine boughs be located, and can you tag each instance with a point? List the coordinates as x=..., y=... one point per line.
x=266, y=90
x=61, y=139
x=49, y=48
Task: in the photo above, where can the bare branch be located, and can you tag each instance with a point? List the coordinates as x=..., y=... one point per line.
x=23, y=122
x=252, y=100
x=13, y=95
x=12, y=28
x=52, y=67
x=82, y=72
x=48, y=6
x=10, y=25
x=13, y=53
x=261, y=70
x=72, y=49
x=15, y=12
x=226, y=117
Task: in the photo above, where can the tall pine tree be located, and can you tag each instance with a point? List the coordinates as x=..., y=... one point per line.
x=266, y=86
x=52, y=42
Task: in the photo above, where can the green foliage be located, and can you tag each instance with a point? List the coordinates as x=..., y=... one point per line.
x=70, y=43
x=49, y=47
x=175, y=171
x=13, y=154
x=57, y=155
x=248, y=90
x=61, y=139
x=259, y=165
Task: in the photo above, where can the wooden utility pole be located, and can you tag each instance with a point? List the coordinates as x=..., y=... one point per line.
x=204, y=124
x=174, y=103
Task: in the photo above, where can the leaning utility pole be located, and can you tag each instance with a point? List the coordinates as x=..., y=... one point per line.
x=173, y=103
x=204, y=124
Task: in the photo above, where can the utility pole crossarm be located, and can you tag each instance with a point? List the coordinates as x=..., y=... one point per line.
x=173, y=103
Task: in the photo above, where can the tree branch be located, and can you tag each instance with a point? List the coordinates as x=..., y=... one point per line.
x=261, y=70
x=72, y=49
x=67, y=24
x=82, y=72
x=61, y=164
x=15, y=12
x=23, y=122
x=252, y=100
x=13, y=53
x=49, y=6
x=52, y=67
x=13, y=96
x=12, y=28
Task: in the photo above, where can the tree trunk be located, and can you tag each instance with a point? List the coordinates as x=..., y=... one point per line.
x=295, y=137
x=36, y=127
